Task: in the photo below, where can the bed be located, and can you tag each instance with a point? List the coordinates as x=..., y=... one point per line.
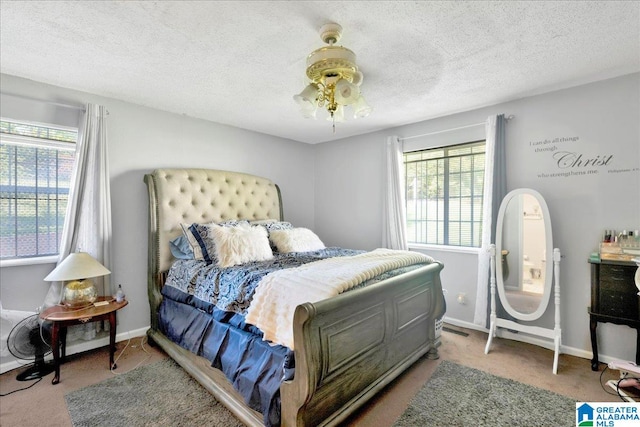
x=346, y=348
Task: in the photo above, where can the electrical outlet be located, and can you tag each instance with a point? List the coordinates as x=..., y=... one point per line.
x=462, y=298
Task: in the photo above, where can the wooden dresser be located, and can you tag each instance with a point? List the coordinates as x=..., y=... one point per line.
x=614, y=299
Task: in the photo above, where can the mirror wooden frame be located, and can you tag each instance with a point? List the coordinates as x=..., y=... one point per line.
x=552, y=277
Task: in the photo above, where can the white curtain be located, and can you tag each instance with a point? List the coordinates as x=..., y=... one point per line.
x=394, y=217
x=87, y=224
x=494, y=191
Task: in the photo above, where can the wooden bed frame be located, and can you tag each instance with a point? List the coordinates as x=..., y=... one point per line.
x=347, y=348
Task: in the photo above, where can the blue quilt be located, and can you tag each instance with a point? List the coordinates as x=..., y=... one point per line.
x=231, y=289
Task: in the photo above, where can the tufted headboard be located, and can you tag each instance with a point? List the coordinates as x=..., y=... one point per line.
x=202, y=195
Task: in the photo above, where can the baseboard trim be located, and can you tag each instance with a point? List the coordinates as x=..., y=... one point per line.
x=463, y=324
x=79, y=347
x=502, y=333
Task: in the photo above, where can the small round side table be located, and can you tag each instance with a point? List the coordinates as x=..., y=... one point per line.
x=61, y=317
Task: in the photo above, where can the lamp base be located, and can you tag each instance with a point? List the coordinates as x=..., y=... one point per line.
x=79, y=294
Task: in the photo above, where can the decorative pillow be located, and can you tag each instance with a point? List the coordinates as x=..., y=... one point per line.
x=296, y=240
x=263, y=221
x=181, y=248
x=279, y=225
x=272, y=224
x=201, y=240
x=241, y=244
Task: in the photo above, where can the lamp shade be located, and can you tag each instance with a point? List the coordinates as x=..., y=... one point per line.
x=338, y=115
x=357, y=78
x=78, y=265
x=361, y=108
x=307, y=98
x=346, y=93
x=309, y=112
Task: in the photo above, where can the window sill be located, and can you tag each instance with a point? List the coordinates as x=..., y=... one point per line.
x=444, y=248
x=28, y=261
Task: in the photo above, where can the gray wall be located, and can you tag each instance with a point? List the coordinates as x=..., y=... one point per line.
x=604, y=118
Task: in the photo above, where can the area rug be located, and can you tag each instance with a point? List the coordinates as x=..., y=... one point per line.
x=160, y=394
x=458, y=396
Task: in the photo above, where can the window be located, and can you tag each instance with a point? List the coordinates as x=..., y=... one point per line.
x=444, y=189
x=36, y=162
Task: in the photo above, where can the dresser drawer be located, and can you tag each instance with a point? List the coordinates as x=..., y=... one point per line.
x=614, y=285
x=618, y=295
x=617, y=273
x=619, y=304
x=614, y=299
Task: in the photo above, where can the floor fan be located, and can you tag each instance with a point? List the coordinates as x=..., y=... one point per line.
x=29, y=341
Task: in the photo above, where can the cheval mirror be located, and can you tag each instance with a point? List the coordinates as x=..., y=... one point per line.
x=521, y=271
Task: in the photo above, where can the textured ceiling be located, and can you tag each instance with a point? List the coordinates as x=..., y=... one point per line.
x=240, y=62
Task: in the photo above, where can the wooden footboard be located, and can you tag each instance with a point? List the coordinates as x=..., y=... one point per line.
x=351, y=346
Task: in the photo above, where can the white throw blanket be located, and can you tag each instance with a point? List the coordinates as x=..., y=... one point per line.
x=279, y=293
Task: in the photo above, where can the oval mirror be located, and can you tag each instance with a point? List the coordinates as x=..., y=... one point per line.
x=524, y=254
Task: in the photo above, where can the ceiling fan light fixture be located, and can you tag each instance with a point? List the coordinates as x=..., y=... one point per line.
x=346, y=93
x=308, y=97
x=357, y=78
x=338, y=115
x=309, y=112
x=361, y=109
x=334, y=79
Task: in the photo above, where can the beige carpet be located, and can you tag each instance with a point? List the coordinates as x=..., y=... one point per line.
x=44, y=403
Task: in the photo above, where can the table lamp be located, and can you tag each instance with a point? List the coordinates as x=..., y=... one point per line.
x=77, y=270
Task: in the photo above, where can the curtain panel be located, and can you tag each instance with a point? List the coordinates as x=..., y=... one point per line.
x=87, y=226
x=394, y=234
x=495, y=188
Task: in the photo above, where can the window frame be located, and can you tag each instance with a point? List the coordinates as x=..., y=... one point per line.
x=43, y=143
x=447, y=246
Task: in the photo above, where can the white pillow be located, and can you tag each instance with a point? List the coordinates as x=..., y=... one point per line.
x=241, y=244
x=296, y=240
x=201, y=240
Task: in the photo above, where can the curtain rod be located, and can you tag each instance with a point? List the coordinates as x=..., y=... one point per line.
x=450, y=130
x=57, y=104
